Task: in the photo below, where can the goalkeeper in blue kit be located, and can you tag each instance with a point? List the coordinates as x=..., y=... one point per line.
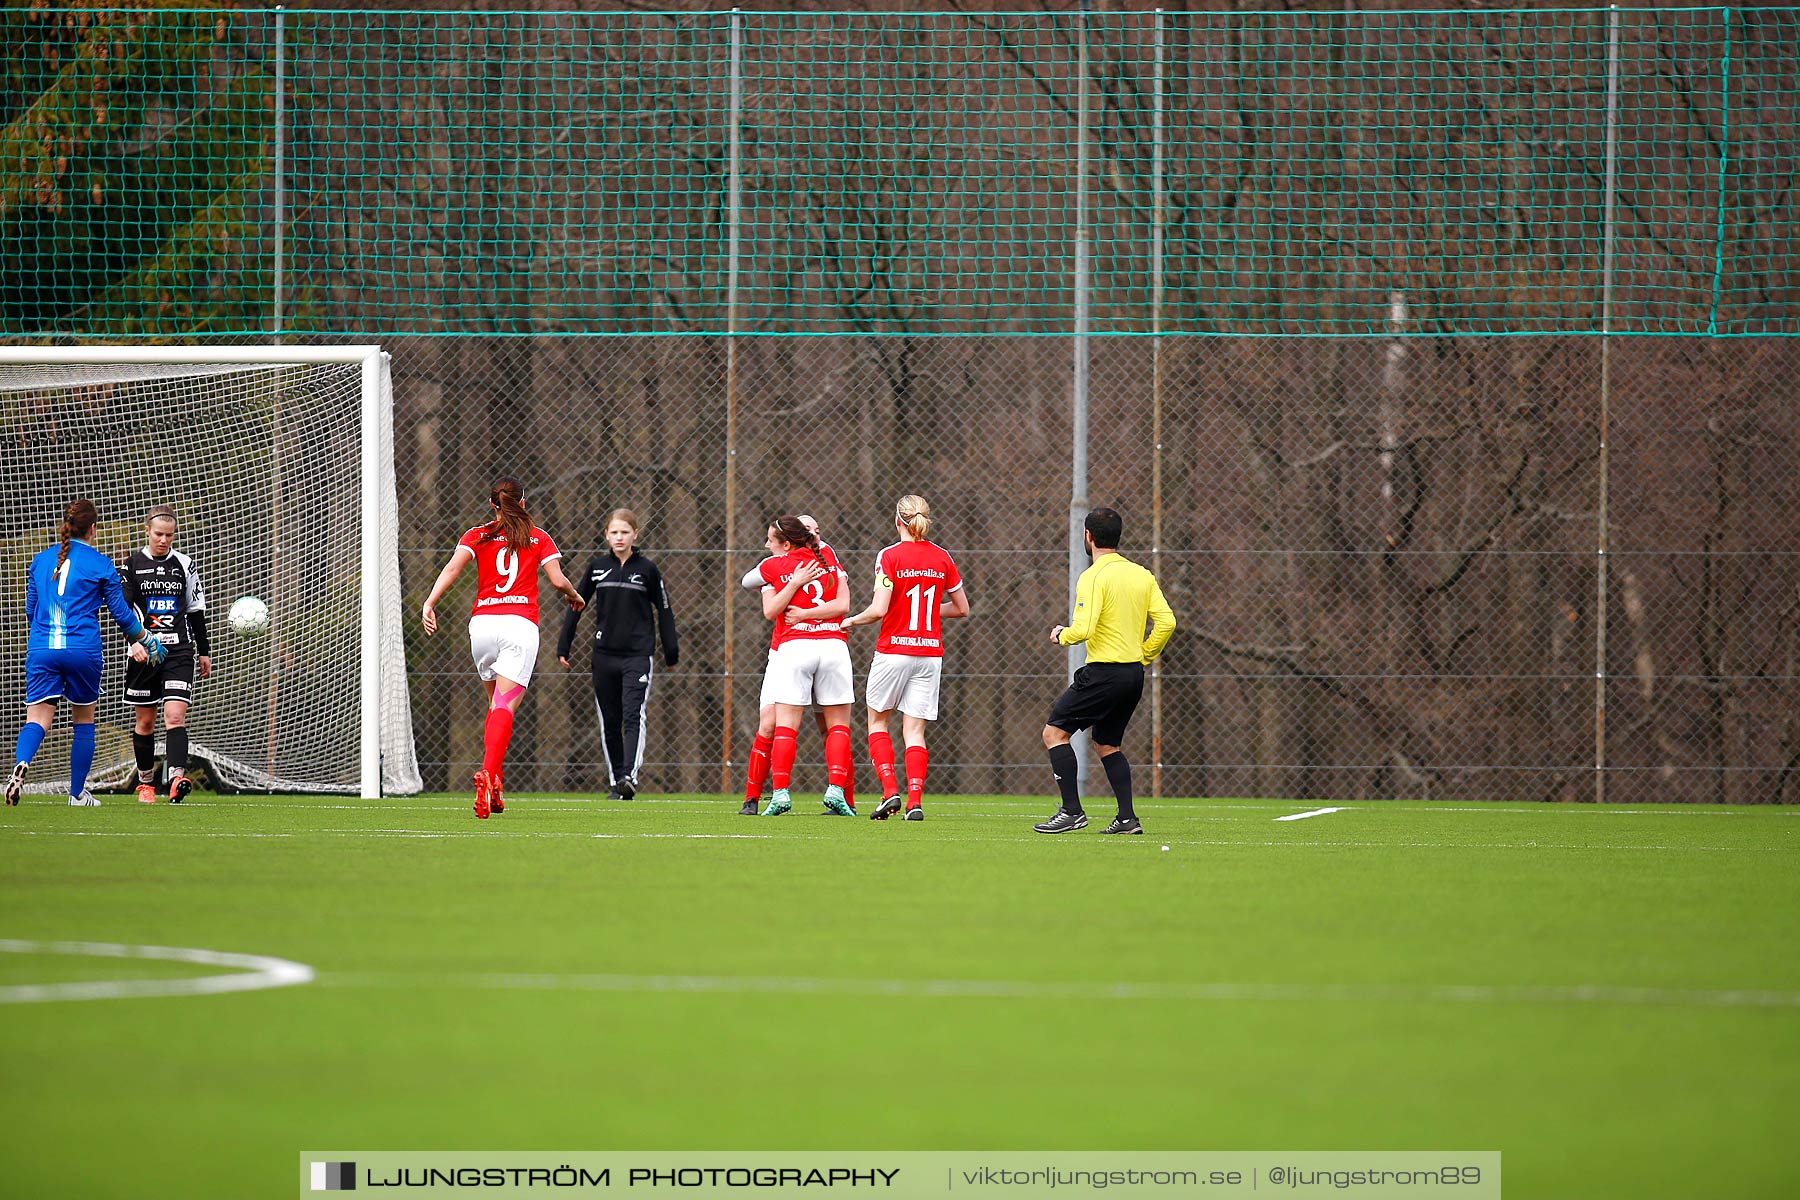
x=66, y=587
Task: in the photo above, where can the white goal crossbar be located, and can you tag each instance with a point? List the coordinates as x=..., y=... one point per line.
x=371, y=359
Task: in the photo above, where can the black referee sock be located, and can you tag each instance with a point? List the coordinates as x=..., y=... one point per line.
x=1065, y=768
x=178, y=751
x=1118, y=773
x=143, y=748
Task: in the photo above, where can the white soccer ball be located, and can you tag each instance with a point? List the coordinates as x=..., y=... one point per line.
x=249, y=617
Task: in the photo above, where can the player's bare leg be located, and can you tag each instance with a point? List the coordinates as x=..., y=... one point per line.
x=175, y=721
x=143, y=748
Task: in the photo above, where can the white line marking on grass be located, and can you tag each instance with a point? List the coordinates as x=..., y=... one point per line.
x=1040, y=990
x=955, y=839
x=1317, y=812
x=253, y=972
x=721, y=837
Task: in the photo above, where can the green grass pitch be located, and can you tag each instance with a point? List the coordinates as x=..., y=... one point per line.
x=1610, y=997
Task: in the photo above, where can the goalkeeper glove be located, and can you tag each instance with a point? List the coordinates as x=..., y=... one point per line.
x=156, y=653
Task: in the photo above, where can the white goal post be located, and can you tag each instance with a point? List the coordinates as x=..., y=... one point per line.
x=249, y=432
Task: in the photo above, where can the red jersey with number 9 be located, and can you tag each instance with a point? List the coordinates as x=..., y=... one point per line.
x=921, y=575
x=508, y=580
x=778, y=570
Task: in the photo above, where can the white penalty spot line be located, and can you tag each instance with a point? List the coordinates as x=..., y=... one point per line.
x=1317, y=812
x=251, y=972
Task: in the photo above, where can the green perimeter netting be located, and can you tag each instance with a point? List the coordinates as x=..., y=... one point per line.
x=1318, y=173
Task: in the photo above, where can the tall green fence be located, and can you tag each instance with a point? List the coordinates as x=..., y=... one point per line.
x=1439, y=360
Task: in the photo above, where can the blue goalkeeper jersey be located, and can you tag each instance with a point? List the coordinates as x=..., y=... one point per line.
x=63, y=606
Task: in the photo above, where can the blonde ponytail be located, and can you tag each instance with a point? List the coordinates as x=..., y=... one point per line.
x=915, y=514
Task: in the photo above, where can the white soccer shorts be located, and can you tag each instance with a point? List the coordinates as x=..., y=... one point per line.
x=503, y=645
x=908, y=682
x=809, y=671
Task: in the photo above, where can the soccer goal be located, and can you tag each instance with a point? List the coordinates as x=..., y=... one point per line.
x=279, y=463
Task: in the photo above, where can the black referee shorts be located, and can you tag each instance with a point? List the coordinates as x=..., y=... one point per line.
x=173, y=679
x=1102, y=697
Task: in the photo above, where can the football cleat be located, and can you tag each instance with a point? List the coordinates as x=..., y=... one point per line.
x=1062, y=822
x=916, y=813
x=15, y=783
x=779, y=804
x=748, y=810
x=1124, y=825
x=179, y=787
x=887, y=808
x=87, y=799
x=496, y=801
x=146, y=793
x=627, y=788
x=484, y=794
x=834, y=803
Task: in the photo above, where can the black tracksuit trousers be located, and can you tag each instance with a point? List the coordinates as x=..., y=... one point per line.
x=622, y=694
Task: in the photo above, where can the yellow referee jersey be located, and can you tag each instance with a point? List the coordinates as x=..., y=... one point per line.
x=1115, y=600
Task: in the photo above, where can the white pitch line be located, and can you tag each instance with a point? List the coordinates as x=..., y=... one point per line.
x=1317, y=812
x=957, y=839
x=1040, y=990
x=253, y=972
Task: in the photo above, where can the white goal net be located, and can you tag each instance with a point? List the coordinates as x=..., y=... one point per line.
x=281, y=476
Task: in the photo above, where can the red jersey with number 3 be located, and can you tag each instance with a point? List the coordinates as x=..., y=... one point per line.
x=921, y=575
x=508, y=580
x=778, y=570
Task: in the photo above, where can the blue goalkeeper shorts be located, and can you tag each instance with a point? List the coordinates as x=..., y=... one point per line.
x=72, y=675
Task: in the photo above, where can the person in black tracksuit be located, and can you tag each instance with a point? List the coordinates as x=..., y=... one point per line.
x=627, y=591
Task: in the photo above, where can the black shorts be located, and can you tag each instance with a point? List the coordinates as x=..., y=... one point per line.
x=1102, y=697
x=173, y=680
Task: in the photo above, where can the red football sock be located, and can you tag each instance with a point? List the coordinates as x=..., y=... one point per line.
x=496, y=736
x=881, y=753
x=837, y=755
x=759, y=767
x=781, y=757
x=917, y=760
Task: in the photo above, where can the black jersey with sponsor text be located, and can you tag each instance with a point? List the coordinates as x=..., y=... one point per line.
x=167, y=592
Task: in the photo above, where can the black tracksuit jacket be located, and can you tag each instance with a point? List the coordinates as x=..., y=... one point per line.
x=631, y=603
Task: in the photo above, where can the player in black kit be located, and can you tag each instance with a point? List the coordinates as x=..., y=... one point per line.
x=162, y=585
x=627, y=591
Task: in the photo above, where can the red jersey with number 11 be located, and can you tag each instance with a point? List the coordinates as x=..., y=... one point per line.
x=508, y=580
x=921, y=575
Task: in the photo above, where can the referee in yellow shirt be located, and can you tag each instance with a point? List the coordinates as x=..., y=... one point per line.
x=1116, y=602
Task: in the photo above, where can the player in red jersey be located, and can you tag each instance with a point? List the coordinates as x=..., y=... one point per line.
x=764, y=742
x=909, y=653
x=503, y=627
x=810, y=661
